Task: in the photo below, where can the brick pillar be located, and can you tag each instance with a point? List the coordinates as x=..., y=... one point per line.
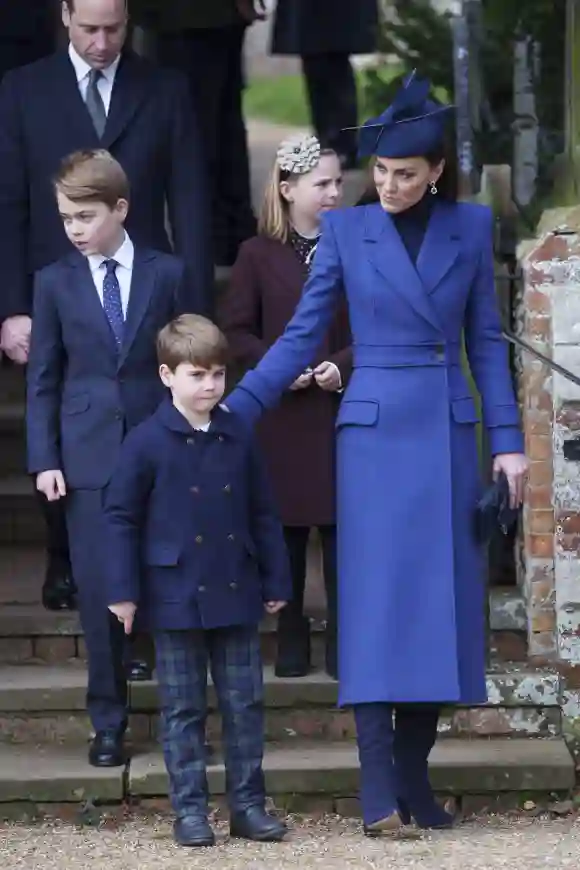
x=551, y=415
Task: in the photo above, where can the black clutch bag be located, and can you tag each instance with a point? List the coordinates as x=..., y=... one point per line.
x=493, y=512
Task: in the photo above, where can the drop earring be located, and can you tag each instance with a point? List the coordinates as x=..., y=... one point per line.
x=433, y=187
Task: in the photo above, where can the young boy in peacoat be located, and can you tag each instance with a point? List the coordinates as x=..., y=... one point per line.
x=196, y=547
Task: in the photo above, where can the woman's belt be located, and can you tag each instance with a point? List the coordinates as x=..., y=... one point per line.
x=399, y=355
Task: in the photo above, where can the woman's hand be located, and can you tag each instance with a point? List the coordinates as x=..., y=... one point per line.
x=327, y=376
x=515, y=467
x=303, y=381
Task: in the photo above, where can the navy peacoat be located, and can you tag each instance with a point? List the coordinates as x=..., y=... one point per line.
x=193, y=536
x=325, y=26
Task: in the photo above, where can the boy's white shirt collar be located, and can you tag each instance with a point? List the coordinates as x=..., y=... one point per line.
x=124, y=256
x=82, y=68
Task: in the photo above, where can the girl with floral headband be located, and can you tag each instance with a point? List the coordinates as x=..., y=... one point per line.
x=298, y=436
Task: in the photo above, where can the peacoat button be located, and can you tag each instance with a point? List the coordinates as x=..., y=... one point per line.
x=199, y=539
x=231, y=537
x=227, y=488
x=190, y=442
x=195, y=489
x=233, y=585
x=220, y=437
x=201, y=588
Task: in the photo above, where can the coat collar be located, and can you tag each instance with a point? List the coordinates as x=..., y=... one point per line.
x=223, y=422
x=438, y=253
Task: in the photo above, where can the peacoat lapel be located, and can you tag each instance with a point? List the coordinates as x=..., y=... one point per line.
x=143, y=280
x=438, y=253
x=290, y=273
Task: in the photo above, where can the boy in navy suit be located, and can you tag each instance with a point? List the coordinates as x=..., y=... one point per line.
x=197, y=549
x=92, y=376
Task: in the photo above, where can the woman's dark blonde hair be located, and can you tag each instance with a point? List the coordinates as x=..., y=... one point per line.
x=274, y=220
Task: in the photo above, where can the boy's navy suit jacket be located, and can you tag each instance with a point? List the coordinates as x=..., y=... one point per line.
x=82, y=394
x=193, y=536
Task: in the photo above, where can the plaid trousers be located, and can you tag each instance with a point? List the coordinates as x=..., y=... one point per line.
x=234, y=658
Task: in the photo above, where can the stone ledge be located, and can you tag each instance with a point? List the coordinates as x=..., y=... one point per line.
x=43, y=688
x=507, y=610
x=47, y=774
x=457, y=766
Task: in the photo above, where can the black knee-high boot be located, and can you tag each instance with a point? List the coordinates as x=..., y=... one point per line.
x=414, y=738
x=293, y=655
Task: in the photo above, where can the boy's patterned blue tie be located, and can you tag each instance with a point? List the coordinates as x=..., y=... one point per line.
x=112, y=302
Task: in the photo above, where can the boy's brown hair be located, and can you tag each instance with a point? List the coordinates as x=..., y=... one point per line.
x=191, y=338
x=92, y=175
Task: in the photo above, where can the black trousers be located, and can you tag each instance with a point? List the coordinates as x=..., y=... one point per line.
x=331, y=88
x=57, y=548
x=292, y=616
x=212, y=60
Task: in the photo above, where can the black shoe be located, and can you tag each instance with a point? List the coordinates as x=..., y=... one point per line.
x=139, y=671
x=331, y=658
x=59, y=591
x=107, y=749
x=256, y=824
x=193, y=831
x=428, y=815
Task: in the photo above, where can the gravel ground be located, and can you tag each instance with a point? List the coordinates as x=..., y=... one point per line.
x=487, y=844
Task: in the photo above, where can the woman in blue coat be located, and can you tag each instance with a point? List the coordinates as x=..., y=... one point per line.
x=417, y=271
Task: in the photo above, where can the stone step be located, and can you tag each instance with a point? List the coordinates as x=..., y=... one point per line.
x=60, y=774
x=40, y=704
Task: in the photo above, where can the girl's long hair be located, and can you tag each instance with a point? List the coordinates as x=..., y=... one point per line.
x=274, y=218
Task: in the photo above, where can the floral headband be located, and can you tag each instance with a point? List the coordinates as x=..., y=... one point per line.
x=298, y=155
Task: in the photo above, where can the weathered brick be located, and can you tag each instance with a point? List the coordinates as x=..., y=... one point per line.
x=508, y=646
x=538, y=302
x=543, y=621
x=542, y=593
x=539, y=326
x=540, y=448
x=540, y=522
x=541, y=424
x=568, y=523
x=542, y=643
x=568, y=415
x=568, y=543
x=53, y=649
x=541, y=474
x=541, y=546
x=539, y=497
x=15, y=650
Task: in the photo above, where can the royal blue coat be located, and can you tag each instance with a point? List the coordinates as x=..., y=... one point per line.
x=194, y=538
x=411, y=581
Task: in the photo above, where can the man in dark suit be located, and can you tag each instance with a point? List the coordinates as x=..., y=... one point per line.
x=204, y=40
x=325, y=33
x=94, y=94
x=92, y=376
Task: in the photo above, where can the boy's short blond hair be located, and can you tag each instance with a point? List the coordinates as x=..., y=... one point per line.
x=191, y=338
x=92, y=175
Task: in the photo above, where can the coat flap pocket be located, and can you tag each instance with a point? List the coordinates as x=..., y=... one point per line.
x=464, y=410
x=76, y=404
x=162, y=555
x=358, y=413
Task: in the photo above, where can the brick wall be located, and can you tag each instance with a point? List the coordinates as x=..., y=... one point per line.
x=551, y=415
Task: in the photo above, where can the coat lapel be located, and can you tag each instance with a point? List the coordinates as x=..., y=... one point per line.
x=85, y=290
x=143, y=281
x=129, y=90
x=441, y=246
x=289, y=271
x=389, y=256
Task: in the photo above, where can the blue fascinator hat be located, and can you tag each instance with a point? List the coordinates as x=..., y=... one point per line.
x=412, y=126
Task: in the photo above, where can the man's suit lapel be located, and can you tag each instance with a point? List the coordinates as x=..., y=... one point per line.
x=64, y=97
x=130, y=88
x=143, y=280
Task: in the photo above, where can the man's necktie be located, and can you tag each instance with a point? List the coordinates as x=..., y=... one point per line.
x=94, y=101
x=112, y=302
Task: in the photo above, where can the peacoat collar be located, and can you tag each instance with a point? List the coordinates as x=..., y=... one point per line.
x=222, y=421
